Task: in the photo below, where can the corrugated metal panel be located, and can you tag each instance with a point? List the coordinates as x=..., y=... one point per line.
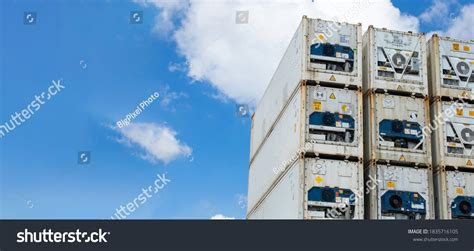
x=453, y=133
x=395, y=61
x=320, y=51
x=399, y=192
x=280, y=148
x=318, y=120
x=285, y=199
x=451, y=63
x=283, y=84
x=455, y=197
x=394, y=128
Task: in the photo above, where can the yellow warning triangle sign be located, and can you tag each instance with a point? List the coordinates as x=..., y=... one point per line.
x=469, y=162
x=332, y=96
x=402, y=158
x=332, y=78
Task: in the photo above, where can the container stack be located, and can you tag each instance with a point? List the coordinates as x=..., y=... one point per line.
x=306, y=137
x=451, y=78
x=398, y=170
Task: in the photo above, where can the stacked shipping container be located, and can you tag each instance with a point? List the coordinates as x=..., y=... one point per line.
x=397, y=153
x=306, y=140
x=451, y=78
x=308, y=159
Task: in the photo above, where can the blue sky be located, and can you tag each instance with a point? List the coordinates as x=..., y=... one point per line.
x=108, y=66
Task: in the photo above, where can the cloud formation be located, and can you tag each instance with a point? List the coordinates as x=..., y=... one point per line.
x=239, y=59
x=158, y=142
x=462, y=27
x=221, y=217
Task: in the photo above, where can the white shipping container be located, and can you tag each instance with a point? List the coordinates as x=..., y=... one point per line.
x=451, y=63
x=455, y=194
x=320, y=51
x=393, y=128
x=452, y=129
x=399, y=192
x=318, y=120
x=314, y=188
x=394, y=61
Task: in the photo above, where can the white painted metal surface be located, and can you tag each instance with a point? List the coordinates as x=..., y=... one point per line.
x=393, y=128
x=453, y=133
x=302, y=129
x=289, y=196
x=395, y=60
x=301, y=62
x=285, y=199
x=451, y=63
x=399, y=192
x=277, y=153
x=454, y=187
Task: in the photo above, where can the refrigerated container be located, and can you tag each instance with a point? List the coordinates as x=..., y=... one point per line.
x=324, y=52
x=314, y=188
x=394, y=128
x=318, y=121
x=399, y=192
x=451, y=63
x=455, y=194
x=452, y=130
x=395, y=61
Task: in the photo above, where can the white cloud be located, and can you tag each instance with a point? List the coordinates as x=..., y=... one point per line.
x=167, y=10
x=239, y=59
x=462, y=27
x=177, y=67
x=167, y=97
x=221, y=217
x=159, y=142
x=439, y=10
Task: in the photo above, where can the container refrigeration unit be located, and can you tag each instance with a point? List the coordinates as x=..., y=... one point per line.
x=455, y=191
x=395, y=61
x=451, y=64
x=394, y=129
x=399, y=192
x=452, y=130
x=310, y=115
